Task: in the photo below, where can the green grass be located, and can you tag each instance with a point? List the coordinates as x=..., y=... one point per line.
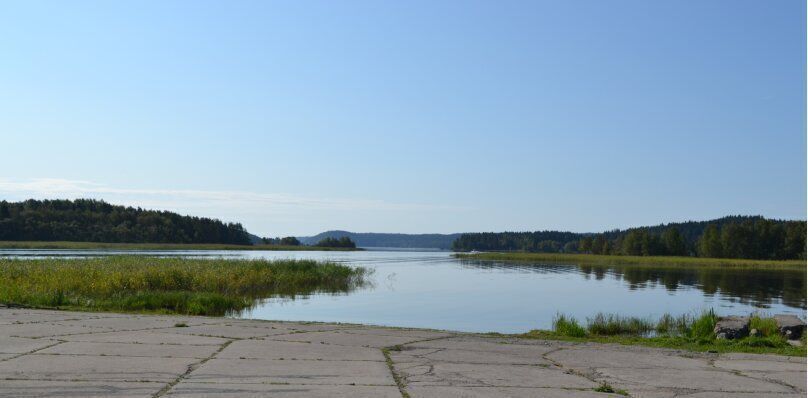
x=156, y=246
x=607, y=388
x=764, y=326
x=568, y=326
x=563, y=258
x=166, y=285
x=612, y=324
x=694, y=333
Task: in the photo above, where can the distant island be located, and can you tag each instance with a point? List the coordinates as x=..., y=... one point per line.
x=372, y=239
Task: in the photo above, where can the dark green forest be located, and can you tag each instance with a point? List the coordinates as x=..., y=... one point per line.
x=344, y=242
x=728, y=237
x=285, y=241
x=88, y=220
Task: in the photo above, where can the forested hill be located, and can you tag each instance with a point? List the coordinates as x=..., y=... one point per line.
x=729, y=237
x=431, y=241
x=87, y=220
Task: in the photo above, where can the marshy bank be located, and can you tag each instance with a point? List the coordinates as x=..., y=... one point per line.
x=167, y=285
x=694, y=332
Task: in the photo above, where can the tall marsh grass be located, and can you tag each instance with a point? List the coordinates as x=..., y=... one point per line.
x=167, y=285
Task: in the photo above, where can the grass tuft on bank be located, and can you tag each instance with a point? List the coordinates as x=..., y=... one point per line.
x=597, y=259
x=688, y=332
x=166, y=285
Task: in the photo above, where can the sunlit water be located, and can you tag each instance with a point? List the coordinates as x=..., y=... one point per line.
x=431, y=289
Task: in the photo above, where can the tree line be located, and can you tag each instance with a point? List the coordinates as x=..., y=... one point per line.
x=88, y=220
x=728, y=237
x=343, y=241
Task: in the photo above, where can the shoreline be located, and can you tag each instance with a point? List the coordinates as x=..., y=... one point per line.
x=57, y=353
x=67, y=245
x=536, y=334
x=609, y=260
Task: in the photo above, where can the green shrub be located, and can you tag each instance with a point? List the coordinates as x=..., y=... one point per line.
x=668, y=325
x=568, y=326
x=612, y=325
x=703, y=327
x=765, y=326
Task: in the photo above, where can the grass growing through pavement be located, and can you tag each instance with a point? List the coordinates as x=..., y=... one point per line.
x=166, y=285
x=565, y=258
x=607, y=388
x=687, y=332
x=60, y=245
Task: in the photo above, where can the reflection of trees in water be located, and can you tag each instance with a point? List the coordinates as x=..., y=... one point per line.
x=755, y=287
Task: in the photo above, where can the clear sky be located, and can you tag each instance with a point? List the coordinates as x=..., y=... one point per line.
x=295, y=117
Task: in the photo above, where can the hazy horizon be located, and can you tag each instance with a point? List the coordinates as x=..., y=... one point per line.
x=298, y=118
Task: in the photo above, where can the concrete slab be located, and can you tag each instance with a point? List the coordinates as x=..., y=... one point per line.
x=228, y=332
x=736, y=356
x=501, y=357
x=269, y=349
x=793, y=379
x=414, y=334
x=133, y=323
x=759, y=365
x=102, y=356
x=345, y=339
x=790, y=326
x=21, y=345
x=47, y=329
x=705, y=380
x=292, y=371
x=131, y=350
x=600, y=357
x=10, y=317
x=488, y=375
x=82, y=389
x=145, y=337
x=714, y=394
x=491, y=392
x=222, y=390
x=68, y=367
x=732, y=327
x=485, y=344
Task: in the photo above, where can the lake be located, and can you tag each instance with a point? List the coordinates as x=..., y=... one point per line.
x=432, y=289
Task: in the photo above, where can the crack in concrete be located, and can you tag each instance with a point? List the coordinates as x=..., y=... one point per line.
x=32, y=351
x=192, y=367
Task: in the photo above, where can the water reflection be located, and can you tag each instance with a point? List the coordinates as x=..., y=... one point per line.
x=756, y=287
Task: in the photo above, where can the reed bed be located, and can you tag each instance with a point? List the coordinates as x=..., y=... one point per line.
x=167, y=285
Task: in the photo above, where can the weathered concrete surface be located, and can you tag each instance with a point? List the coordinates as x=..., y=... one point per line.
x=55, y=354
x=790, y=326
x=732, y=327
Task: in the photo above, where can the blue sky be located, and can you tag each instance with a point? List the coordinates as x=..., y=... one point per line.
x=297, y=117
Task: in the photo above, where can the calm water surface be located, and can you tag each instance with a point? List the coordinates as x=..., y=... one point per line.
x=431, y=289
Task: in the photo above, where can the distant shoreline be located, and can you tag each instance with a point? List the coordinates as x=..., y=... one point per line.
x=597, y=259
x=64, y=245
